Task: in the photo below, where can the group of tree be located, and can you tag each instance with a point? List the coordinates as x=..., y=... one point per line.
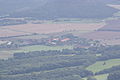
x=114, y=76
x=56, y=65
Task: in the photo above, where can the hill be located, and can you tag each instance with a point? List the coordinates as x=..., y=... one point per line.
x=51, y=9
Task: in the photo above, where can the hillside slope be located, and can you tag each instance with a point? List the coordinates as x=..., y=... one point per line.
x=50, y=9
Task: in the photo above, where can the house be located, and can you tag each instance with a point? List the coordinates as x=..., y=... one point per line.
x=66, y=39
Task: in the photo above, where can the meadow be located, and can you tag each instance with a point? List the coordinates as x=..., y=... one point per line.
x=99, y=77
x=98, y=66
x=42, y=47
x=4, y=54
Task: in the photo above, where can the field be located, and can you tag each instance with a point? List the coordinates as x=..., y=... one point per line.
x=9, y=53
x=60, y=40
x=112, y=42
x=32, y=36
x=98, y=66
x=7, y=33
x=6, y=54
x=24, y=29
x=41, y=47
x=102, y=35
x=99, y=77
x=109, y=31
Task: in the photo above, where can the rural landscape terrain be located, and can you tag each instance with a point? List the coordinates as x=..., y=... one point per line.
x=59, y=39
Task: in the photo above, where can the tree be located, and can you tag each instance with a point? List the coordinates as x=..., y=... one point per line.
x=114, y=76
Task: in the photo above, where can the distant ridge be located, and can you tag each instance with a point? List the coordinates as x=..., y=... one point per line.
x=52, y=9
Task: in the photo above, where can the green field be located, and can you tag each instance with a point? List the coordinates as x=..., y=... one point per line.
x=32, y=37
x=8, y=53
x=42, y=47
x=99, y=77
x=98, y=66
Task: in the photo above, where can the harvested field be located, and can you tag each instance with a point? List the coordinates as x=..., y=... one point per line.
x=109, y=31
x=7, y=33
x=112, y=42
x=107, y=37
x=46, y=28
x=101, y=35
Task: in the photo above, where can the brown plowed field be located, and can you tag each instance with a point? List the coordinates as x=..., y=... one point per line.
x=46, y=28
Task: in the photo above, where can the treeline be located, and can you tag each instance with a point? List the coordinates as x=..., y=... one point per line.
x=22, y=55
x=7, y=22
x=114, y=76
x=111, y=52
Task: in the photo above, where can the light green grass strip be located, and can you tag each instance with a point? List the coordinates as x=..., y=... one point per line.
x=98, y=66
x=99, y=77
x=42, y=47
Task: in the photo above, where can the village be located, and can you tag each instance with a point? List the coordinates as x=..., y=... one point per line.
x=62, y=40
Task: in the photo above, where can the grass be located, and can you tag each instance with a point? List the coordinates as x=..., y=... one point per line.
x=98, y=66
x=99, y=77
x=42, y=47
x=9, y=53
x=70, y=20
x=32, y=37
